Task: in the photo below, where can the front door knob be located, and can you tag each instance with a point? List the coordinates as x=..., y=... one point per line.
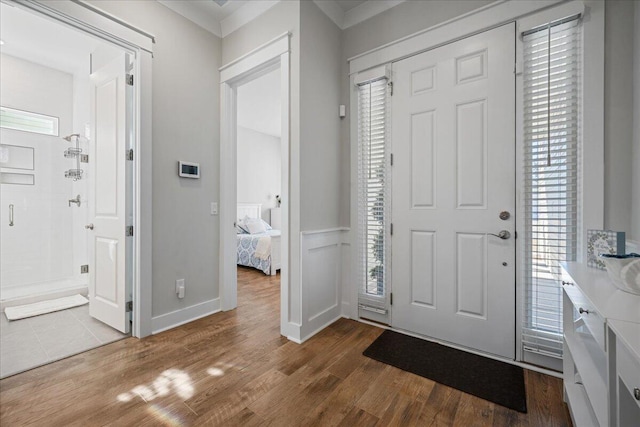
x=503, y=234
x=89, y=226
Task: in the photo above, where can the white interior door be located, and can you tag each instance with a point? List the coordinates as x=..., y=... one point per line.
x=108, y=200
x=453, y=133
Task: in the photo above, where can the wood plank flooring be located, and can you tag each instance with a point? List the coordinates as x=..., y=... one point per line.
x=235, y=369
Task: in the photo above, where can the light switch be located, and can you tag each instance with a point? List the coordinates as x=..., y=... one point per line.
x=214, y=208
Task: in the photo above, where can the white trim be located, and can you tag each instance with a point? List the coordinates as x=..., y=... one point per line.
x=358, y=14
x=309, y=335
x=271, y=55
x=325, y=282
x=185, y=315
x=371, y=74
x=333, y=10
x=194, y=15
x=324, y=231
x=247, y=13
x=143, y=203
x=110, y=29
x=93, y=20
x=263, y=54
x=468, y=24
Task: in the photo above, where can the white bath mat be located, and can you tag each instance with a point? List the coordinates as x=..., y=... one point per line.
x=43, y=307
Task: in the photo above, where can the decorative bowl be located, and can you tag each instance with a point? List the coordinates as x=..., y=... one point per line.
x=624, y=271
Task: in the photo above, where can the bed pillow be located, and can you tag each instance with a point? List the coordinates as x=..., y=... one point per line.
x=266, y=225
x=255, y=226
x=241, y=225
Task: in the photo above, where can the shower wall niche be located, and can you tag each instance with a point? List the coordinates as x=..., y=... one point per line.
x=42, y=242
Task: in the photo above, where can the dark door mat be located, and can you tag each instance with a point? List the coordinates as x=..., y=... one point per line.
x=489, y=379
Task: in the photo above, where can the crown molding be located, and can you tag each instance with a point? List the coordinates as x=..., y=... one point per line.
x=247, y=13
x=356, y=15
x=332, y=10
x=202, y=20
x=367, y=10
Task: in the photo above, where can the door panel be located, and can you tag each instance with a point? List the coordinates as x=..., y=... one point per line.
x=107, y=206
x=453, y=133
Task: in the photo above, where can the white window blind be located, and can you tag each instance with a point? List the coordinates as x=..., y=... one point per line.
x=551, y=84
x=373, y=187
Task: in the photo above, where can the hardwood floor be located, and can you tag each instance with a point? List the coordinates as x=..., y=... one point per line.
x=234, y=368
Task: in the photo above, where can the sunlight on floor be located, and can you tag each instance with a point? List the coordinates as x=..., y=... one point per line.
x=166, y=417
x=170, y=379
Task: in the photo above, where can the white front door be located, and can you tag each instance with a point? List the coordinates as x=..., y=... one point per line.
x=108, y=201
x=453, y=136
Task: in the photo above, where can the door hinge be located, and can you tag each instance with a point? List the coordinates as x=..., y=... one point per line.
x=84, y=269
x=130, y=154
x=129, y=231
x=390, y=88
x=129, y=306
x=391, y=159
x=391, y=229
x=391, y=298
x=515, y=234
x=130, y=79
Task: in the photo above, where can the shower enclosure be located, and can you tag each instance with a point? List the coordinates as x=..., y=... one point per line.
x=43, y=190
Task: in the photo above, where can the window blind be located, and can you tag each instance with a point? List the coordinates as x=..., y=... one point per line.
x=373, y=187
x=551, y=84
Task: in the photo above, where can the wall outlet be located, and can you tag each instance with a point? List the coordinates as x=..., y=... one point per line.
x=180, y=288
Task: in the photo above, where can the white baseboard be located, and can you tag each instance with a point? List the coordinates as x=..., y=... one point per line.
x=180, y=317
x=311, y=334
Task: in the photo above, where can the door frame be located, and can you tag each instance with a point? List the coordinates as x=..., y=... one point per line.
x=139, y=44
x=526, y=15
x=268, y=57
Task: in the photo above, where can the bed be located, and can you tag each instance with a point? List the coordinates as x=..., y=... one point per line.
x=259, y=250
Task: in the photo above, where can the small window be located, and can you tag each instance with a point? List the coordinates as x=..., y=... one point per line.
x=28, y=122
x=552, y=104
x=373, y=203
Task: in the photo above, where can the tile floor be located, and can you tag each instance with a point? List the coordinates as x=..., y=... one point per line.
x=28, y=343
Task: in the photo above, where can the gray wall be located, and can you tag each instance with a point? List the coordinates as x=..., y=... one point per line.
x=321, y=176
x=635, y=217
x=403, y=20
x=618, y=115
x=185, y=127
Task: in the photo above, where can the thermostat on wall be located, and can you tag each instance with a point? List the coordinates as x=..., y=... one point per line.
x=188, y=169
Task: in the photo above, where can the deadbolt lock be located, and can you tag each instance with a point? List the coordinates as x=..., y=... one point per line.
x=505, y=215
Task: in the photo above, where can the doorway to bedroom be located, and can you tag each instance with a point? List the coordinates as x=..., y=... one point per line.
x=259, y=179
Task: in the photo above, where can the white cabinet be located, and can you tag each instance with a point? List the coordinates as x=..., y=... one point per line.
x=601, y=349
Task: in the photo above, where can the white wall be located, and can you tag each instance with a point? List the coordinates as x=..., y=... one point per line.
x=259, y=168
x=635, y=216
x=39, y=247
x=186, y=127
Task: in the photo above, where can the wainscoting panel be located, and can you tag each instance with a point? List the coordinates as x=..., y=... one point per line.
x=323, y=256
